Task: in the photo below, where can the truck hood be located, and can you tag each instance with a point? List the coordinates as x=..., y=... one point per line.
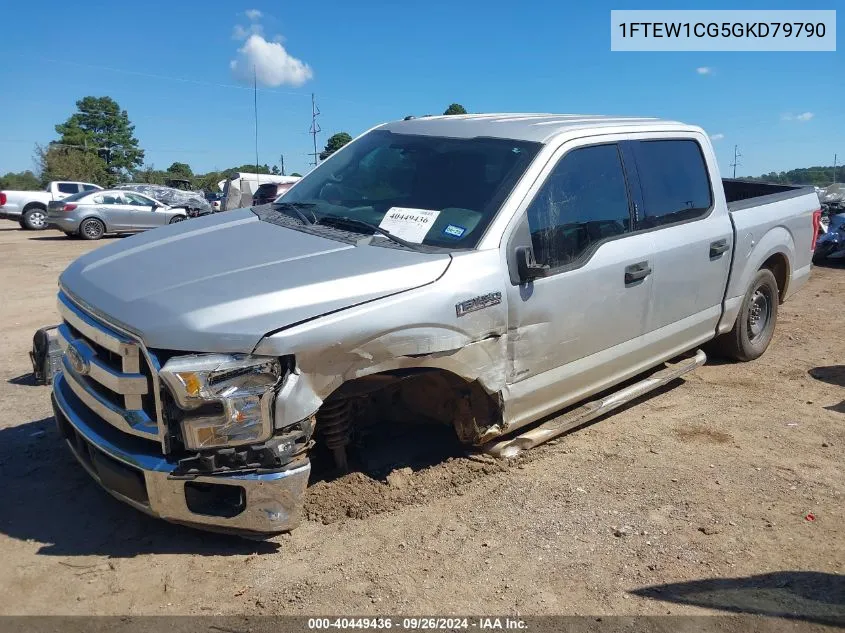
x=220, y=283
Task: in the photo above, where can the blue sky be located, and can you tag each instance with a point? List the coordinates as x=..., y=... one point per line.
x=170, y=65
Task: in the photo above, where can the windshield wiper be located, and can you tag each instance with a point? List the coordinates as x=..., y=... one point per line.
x=345, y=221
x=296, y=207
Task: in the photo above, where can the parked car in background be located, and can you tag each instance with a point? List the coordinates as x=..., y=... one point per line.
x=269, y=191
x=193, y=202
x=90, y=215
x=215, y=199
x=29, y=208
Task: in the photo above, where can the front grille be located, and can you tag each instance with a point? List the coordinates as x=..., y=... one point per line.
x=109, y=371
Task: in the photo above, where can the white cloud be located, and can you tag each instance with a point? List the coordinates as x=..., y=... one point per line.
x=273, y=65
x=704, y=70
x=717, y=137
x=243, y=32
x=253, y=14
x=804, y=116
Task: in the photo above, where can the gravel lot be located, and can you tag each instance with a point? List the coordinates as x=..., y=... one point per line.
x=695, y=500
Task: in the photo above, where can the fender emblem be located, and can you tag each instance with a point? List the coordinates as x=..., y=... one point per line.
x=478, y=303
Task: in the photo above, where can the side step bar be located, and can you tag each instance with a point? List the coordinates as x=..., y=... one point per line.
x=591, y=410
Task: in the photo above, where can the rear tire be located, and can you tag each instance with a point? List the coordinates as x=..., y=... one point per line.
x=34, y=219
x=91, y=229
x=755, y=324
x=176, y=218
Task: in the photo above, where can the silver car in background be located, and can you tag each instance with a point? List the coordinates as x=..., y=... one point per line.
x=92, y=214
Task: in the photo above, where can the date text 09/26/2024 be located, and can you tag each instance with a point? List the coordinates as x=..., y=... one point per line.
x=419, y=623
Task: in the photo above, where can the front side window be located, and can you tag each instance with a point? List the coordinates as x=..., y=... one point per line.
x=583, y=202
x=89, y=188
x=673, y=180
x=68, y=187
x=464, y=180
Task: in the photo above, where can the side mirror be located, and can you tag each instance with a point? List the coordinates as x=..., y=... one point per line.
x=526, y=266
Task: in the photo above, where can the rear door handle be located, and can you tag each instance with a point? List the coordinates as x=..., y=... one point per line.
x=718, y=247
x=636, y=272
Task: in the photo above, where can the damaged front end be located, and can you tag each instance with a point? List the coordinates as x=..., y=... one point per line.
x=191, y=440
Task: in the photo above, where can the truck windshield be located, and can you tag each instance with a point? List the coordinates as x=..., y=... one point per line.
x=458, y=184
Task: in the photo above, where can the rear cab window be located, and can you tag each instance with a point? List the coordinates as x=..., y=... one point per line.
x=674, y=183
x=67, y=187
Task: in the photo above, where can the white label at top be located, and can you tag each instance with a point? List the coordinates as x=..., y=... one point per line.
x=411, y=225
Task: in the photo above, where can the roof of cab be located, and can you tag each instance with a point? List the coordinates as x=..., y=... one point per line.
x=525, y=127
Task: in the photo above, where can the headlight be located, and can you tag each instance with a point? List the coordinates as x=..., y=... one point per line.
x=225, y=399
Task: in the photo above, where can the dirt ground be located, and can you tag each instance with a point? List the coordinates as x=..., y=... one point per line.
x=722, y=493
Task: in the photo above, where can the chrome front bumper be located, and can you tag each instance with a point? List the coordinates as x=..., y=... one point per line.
x=131, y=469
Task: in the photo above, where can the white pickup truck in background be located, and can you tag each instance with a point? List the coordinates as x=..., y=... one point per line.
x=29, y=208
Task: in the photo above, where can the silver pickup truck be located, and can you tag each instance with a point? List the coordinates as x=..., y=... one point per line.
x=473, y=272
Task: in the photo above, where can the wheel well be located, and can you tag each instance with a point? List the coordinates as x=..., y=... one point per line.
x=34, y=205
x=382, y=404
x=779, y=265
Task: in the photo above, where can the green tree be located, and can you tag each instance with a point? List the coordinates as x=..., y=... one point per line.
x=296, y=173
x=58, y=162
x=817, y=175
x=208, y=182
x=180, y=170
x=335, y=142
x=455, y=108
x=21, y=181
x=148, y=174
x=249, y=169
x=101, y=126
x=275, y=170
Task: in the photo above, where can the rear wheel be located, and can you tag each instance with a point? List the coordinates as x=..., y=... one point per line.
x=755, y=325
x=34, y=219
x=176, y=218
x=91, y=229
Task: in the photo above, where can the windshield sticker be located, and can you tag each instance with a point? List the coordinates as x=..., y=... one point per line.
x=408, y=224
x=453, y=230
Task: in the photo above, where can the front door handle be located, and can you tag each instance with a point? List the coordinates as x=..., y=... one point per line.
x=718, y=247
x=636, y=272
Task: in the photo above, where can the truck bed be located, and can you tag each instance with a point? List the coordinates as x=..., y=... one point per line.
x=767, y=219
x=744, y=194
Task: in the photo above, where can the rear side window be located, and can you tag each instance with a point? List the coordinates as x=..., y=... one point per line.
x=89, y=188
x=68, y=187
x=583, y=202
x=673, y=180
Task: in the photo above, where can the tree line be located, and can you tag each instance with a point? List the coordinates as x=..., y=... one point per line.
x=97, y=144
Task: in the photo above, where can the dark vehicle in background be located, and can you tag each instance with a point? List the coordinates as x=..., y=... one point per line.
x=193, y=202
x=830, y=245
x=269, y=191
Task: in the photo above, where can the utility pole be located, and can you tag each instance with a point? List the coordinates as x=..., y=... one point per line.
x=834, y=169
x=315, y=127
x=255, y=107
x=736, y=159
x=282, y=164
